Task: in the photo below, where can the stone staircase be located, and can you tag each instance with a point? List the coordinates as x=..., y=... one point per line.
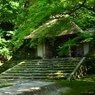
x=45, y=69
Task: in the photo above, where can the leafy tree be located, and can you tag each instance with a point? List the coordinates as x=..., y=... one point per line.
x=35, y=13
x=8, y=13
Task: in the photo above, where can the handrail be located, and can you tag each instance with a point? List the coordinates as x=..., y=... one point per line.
x=77, y=67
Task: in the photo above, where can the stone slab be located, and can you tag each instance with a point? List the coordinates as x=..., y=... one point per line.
x=34, y=88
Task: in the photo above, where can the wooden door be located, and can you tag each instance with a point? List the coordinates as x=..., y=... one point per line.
x=79, y=51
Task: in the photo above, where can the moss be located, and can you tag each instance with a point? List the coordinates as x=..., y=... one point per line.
x=84, y=86
x=9, y=64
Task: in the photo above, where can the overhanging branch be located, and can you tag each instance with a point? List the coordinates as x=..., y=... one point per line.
x=72, y=11
x=89, y=8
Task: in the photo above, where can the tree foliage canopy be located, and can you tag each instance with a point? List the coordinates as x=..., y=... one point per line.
x=28, y=15
x=8, y=13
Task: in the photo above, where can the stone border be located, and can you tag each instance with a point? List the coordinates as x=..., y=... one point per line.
x=76, y=69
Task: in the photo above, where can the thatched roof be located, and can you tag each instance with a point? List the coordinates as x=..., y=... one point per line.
x=90, y=30
x=72, y=30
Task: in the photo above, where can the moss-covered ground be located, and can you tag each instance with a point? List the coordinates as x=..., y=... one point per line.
x=83, y=86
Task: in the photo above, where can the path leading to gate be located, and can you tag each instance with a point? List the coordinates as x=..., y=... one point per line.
x=30, y=77
x=34, y=88
x=42, y=69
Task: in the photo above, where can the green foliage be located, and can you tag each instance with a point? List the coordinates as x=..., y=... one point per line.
x=3, y=45
x=8, y=13
x=4, y=42
x=8, y=65
x=80, y=86
x=50, y=31
x=84, y=18
x=6, y=85
x=8, y=10
x=29, y=15
x=83, y=37
x=90, y=62
x=39, y=12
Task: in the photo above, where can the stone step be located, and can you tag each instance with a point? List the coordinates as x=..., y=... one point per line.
x=41, y=69
x=44, y=66
x=45, y=74
x=51, y=61
x=48, y=63
x=57, y=66
x=55, y=59
x=36, y=70
x=62, y=71
x=50, y=68
x=33, y=77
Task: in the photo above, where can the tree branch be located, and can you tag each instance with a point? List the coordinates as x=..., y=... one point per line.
x=89, y=8
x=72, y=11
